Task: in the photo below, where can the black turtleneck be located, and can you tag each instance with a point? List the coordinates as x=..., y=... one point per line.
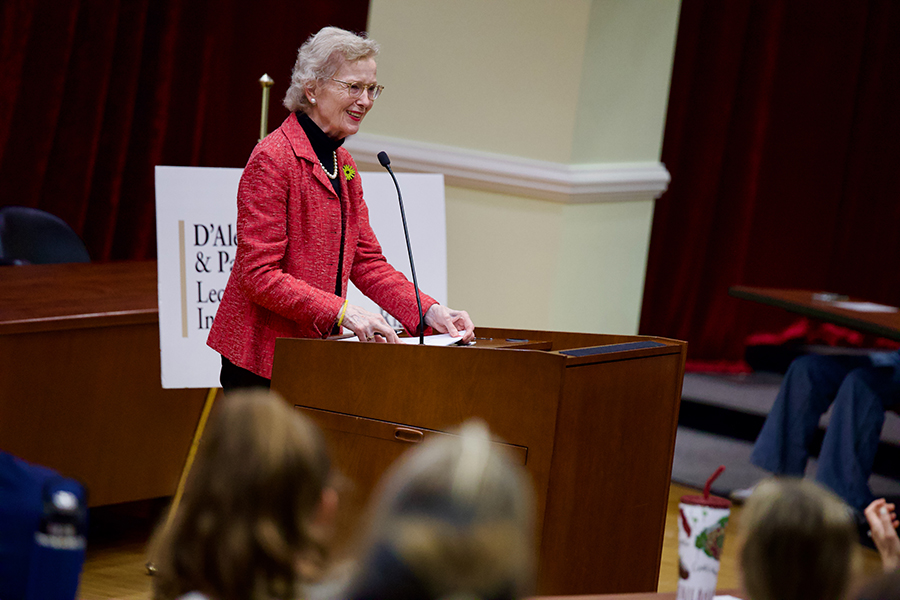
x=323, y=146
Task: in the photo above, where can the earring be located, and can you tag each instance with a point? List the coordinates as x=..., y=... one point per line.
x=312, y=100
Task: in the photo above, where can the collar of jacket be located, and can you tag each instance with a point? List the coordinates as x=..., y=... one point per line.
x=304, y=150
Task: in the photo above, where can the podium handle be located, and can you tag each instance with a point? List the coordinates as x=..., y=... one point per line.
x=410, y=436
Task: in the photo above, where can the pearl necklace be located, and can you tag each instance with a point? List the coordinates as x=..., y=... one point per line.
x=330, y=175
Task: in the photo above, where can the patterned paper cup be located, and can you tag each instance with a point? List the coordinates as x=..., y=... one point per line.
x=701, y=534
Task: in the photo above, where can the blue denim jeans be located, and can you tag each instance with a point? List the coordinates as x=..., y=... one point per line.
x=861, y=393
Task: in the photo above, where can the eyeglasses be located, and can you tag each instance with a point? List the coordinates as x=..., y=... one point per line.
x=355, y=90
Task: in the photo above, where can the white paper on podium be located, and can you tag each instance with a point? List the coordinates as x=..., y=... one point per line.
x=439, y=339
x=196, y=212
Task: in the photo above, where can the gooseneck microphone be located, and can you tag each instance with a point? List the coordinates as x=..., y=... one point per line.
x=386, y=163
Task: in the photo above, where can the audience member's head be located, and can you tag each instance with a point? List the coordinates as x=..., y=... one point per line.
x=799, y=542
x=454, y=518
x=249, y=523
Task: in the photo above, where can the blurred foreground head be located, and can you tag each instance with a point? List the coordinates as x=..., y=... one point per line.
x=885, y=586
x=799, y=542
x=454, y=518
x=246, y=527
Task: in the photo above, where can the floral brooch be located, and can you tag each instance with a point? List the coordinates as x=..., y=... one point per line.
x=349, y=172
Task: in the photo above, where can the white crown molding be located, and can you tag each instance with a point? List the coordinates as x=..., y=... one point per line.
x=570, y=184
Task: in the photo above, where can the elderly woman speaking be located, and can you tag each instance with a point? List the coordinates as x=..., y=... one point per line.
x=303, y=226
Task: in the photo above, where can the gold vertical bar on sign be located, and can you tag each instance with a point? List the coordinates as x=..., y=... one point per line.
x=182, y=257
x=266, y=82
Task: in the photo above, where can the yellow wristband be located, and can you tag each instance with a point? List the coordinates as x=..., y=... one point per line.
x=343, y=312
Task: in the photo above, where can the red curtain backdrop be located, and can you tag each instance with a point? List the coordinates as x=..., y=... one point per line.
x=783, y=142
x=95, y=93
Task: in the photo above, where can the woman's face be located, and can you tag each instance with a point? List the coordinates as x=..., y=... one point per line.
x=334, y=110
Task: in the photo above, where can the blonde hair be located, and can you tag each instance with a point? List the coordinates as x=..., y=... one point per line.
x=320, y=57
x=454, y=518
x=245, y=522
x=799, y=542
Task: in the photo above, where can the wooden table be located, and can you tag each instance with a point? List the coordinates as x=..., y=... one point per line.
x=811, y=304
x=80, y=384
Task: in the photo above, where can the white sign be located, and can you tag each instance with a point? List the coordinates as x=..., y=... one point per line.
x=196, y=212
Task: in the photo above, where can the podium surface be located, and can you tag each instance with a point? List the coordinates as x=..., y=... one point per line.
x=592, y=417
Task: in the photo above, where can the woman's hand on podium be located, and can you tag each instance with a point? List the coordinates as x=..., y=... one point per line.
x=368, y=326
x=455, y=322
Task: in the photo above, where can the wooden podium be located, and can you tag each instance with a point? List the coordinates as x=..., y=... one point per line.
x=592, y=417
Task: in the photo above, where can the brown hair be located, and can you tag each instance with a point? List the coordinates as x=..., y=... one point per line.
x=799, y=542
x=245, y=524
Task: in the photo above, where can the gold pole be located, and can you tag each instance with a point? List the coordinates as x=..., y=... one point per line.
x=265, y=82
x=188, y=463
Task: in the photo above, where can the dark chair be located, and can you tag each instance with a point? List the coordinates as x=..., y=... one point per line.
x=30, y=235
x=37, y=499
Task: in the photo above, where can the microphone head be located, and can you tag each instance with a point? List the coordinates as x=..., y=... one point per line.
x=383, y=159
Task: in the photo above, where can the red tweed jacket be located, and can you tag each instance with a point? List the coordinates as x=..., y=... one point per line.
x=289, y=236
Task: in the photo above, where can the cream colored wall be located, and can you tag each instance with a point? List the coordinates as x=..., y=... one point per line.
x=502, y=257
x=568, y=81
x=602, y=257
x=625, y=81
x=480, y=73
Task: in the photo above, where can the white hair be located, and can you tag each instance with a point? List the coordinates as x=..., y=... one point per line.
x=320, y=57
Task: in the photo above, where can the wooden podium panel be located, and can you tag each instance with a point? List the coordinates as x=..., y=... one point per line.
x=366, y=448
x=593, y=416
